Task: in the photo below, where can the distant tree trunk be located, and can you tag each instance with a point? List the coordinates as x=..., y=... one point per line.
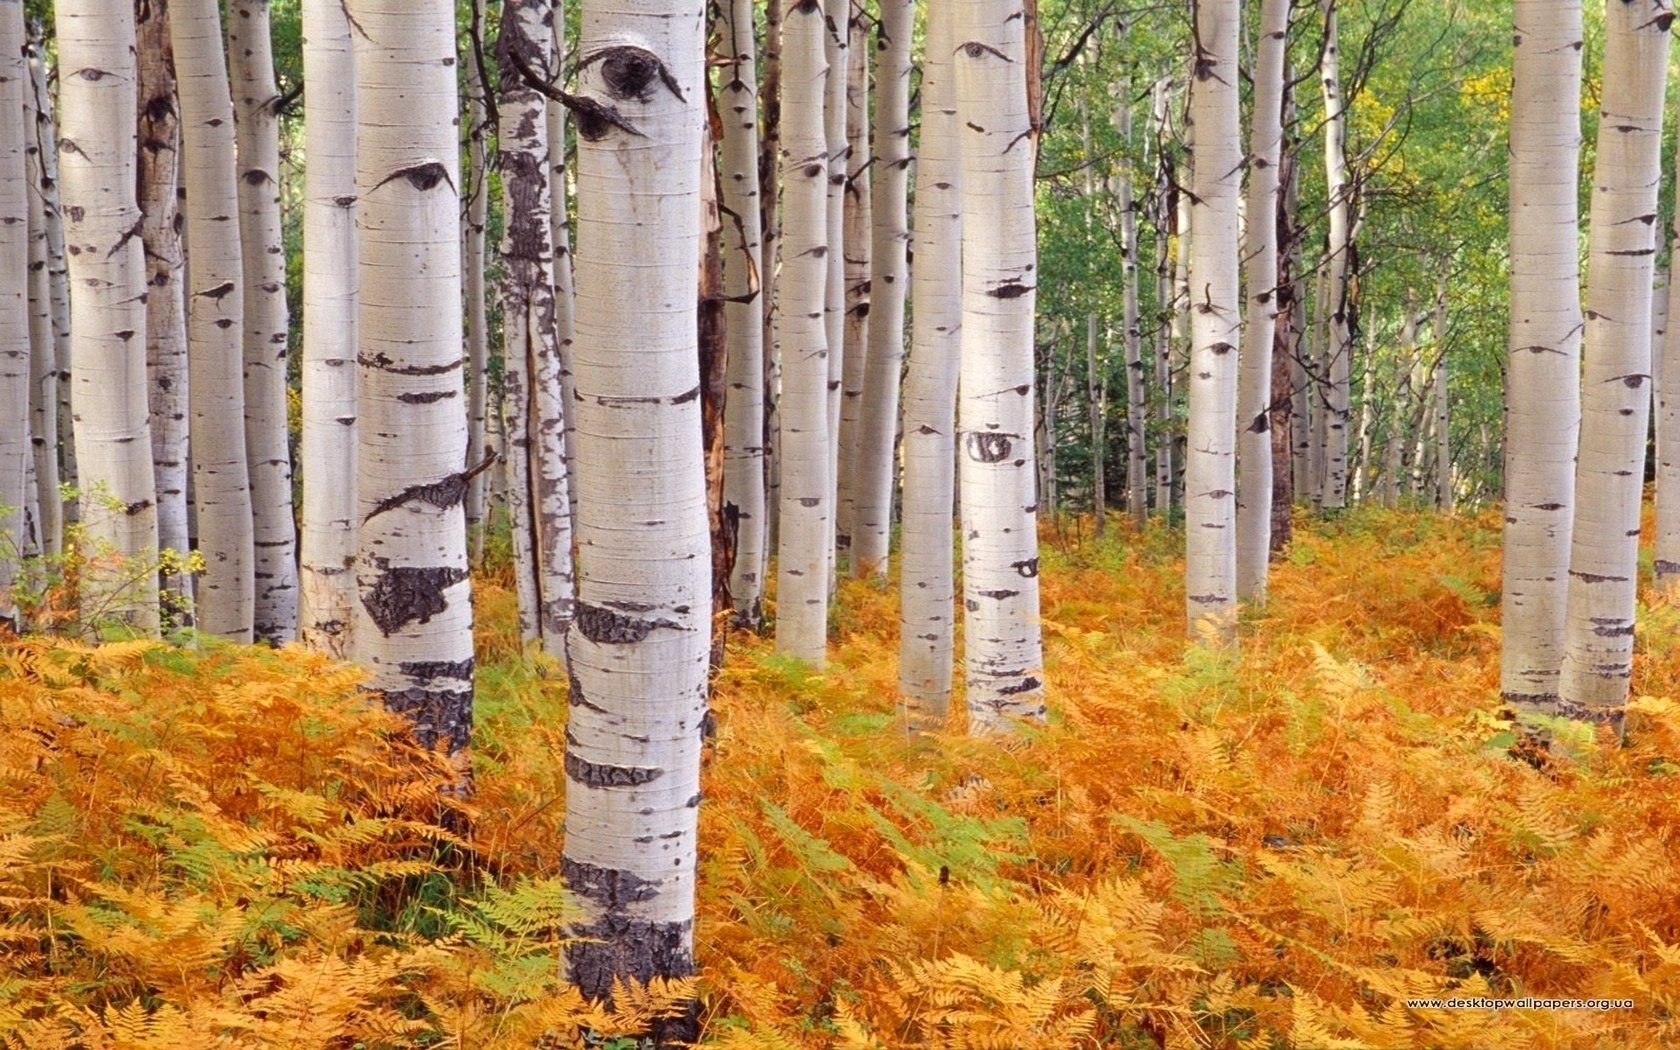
x=1615, y=405
x=1165, y=212
x=1215, y=331
x=1318, y=376
x=96, y=42
x=640, y=644
x=1137, y=405
x=479, y=411
x=1287, y=402
x=1338, y=349
x=327, y=593
x=1094, y=387
x=45, y=140
x=1254, y=413
x=43, y=347
x=743, y=475
x=166, y=330
x=1394, y=446
x=1438, y=394
x=1181, y=338
x=414, y=615
x=1667, y=426
x=16, y=455
x=857, y=221
x=1002, y=639
x=803, y=443
x=888, y=281
x=836, y=47
x=926, y=603
x=266, y=444
x=215, y=324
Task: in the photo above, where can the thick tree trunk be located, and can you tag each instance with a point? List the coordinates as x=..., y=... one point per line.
x=1215, y=331
x=266, y=443
x=926, y=602
x=96, y=44
x=327, y=593
x=1543, y=388
x=16, y=455
x=221, y=490
x=803, y=443
x=888, y=282
x=857, y=220
x=1137, y=385
x=1002, y=640
x=531, y=346
x=414, y=613
x=166, y=327
x=1338, y=347
x=1615, y=402
x=641, y=641
x=480, y=413
x=1254, y=410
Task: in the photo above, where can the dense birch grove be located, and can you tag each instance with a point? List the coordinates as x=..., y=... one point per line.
x=693, y=324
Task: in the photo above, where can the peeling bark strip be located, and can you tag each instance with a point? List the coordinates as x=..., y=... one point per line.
x=1603, y=559
x=1003, y=644
x=633, y=734
x=414, y=619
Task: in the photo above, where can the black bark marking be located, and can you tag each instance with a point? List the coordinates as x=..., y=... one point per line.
x=461, y=670
x=1027, y=569
x=1025, y=685
x=1013, y=288
x=438, y=717
x=605, y=626
x=426, y=397
x=385, y=363
x=444, y=493
x=988, y=448
x=424, y=176
x=613, y=945
x=408, y=594
x=597, y=775
x=998, y=595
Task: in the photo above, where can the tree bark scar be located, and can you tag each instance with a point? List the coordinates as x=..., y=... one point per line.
x=407, y=594
x=602, y=625
x=461, y=670
x=598, y=775
x=444, y=493
x=424, y=176
x=988, y=448
x=385, y=363
x=439, y=717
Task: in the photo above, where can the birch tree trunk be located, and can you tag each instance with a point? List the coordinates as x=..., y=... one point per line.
x=1438, y=394
x=1215, y=331
x=166, y=331
x=857, y=221
x=803, y=443
x=1615, y=402
x=43, y=348
x=565, y=296
x=836, y=48
x=1254, y=452
x=414, y=611
x=531, y=347
x=640, y=643
x=1338, y=348
x=743, y=474
x=58, y=283
x=1542, y=401
x=1137, y=405
x=1002, y=641
x=1667, y=397
x=888, y=282
x=480, y=414
x=1287, y=402
x=258, y=122
x=98, y=98
x=1165, y=211
x=327, y=594
x=1094, y=386
x=926, y=585
x=16, y=454
x=215, y=324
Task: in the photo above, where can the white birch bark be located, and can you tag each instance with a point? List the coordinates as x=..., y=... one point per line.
x=251, y=67
x=327, y=594
x=836, y=47
x=857, y=221
x=1615, y=401
x=1137, y=451
x=166, y=328
x=640, y=644
x=1094, y=386
x=1003, y=646
x=480, y=415
x=1254, y=450
x=1667, y=426
x=888, y=283
x=215, y=324
x=1338, y=346
x=43, y=352
x=98, y=96
x=803, y=443
x=926, y=585
x=413, y=627
x=531, y=346
x=1542, y=403
x=16, y=453
x=743, y=284
x=565, y=296
x=1164, y=214
x=45, y=135
x=1215, y=331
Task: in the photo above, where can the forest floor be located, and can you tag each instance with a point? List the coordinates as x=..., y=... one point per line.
x=228, y=848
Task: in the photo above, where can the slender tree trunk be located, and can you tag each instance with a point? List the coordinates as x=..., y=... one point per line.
x=803, y=443
x=16, y=454
x=327, y=593
x=258, y=120
x=1304, y=393
x=888, y=281
x=565, y=297
x=836, y=47
x=1438, y=393
x=743, y=475
x=1287, y=403
x=1318, y=375
x=857, y=222
x=1181, y=338
x=1338, y=349
x=926, y=591
x=1254, y=411
x=45, y=140
x=1615, y=405
x=1094, y=392
x=769, y=163
x=1667, y=561
x=1002, y=641
x=1137, y=405
x=714, y=363
x=414, y=611
x=96, y=43
x=640, y=644
x=166, y=330
x=479, y=410
x=215, y=324
x=1215, y=331
x=1165, y=212
x=531, y=346
x=43, y=348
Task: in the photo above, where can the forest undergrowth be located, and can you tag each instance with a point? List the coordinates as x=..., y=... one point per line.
x=228, y=848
